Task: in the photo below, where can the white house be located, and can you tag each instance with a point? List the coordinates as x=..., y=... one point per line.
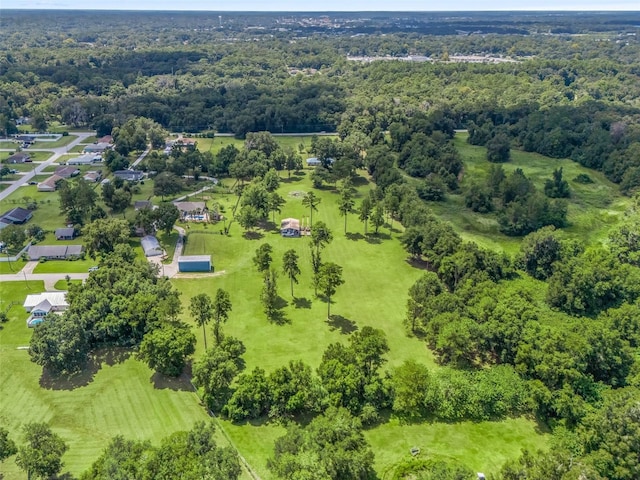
x=42, y=304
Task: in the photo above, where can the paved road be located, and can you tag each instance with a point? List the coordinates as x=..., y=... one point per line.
x=49, y=279
x=57, y=153
x=140, y=158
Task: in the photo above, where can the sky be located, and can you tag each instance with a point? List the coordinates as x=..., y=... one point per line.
x=326, y=5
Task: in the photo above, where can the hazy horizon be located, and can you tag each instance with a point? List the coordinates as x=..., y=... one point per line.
x=334, y=6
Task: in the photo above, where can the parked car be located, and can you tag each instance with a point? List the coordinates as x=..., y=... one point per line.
x=93, y=269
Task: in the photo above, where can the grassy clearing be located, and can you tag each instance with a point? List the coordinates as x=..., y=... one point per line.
x=22, y=167
x=11, y=267
x=483, y=446
x=593, y=209
x=64, y=285
x=118, y=396
x=61, y=142
x=47, y=215
x=65, y=266
x=9, y=144
x=377, y=278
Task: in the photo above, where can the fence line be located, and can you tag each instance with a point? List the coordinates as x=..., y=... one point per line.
x=244, y=461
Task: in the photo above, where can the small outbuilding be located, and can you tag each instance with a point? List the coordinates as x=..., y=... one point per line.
x=313, y=162
x=65, y=233
x=290, y=227
x=194, y=263
x=151, y=246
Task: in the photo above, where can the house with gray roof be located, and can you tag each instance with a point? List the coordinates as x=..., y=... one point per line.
x=18, y=157
x=151, y=246
x=54, y=252
x=129, y=175
x=65, y=233
x=17, y=215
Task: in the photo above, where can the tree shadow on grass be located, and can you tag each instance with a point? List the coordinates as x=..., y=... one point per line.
x=281, y=303
x=302, y=302
x=418, y=263
x=252, y=235
x=279, y=318
x=109, y=356
x=293, y=178
x=360, y=181
x=373, y=239
x=354, y=236
x=338, y=322
x=177, y=384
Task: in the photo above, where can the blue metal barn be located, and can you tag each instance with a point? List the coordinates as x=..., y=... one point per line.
x=194, y=263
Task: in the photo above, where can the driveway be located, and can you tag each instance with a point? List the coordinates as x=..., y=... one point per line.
x=170, y=270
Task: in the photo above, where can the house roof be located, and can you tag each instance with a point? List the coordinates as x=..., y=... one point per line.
x=127, y=174
x=51, y=181
x=290, y=223
x=18, y=156
x=17, y=215
x=150, y=245
x=56, y=299
x=190, y=206
x=92, y=176
x=39, y=251
x=97, y=147
x=44, y=305
x=66, y=172
x=142, y=204
x=86, y=159
x=194, y=258
x=65, y=232
x=106, y=139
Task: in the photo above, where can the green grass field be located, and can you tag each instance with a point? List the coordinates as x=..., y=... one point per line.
x=214, y=145
x=11, y=267
x=593, y=208
x=377, y=278
x=65, y=140
x=121, y=396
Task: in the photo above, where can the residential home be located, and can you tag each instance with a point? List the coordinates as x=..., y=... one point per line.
x=140, y=204
x=129, y=175
x=290, y=227
x=54, y=252
x=313, y=162
x=106, y=139
x=96, y=148
x=86, y=159
x=92, y=176
x=67, y=172
x=67, y=233
x=194, y=211
x=18, y=157
x=42, y=304
x=151, y=246
x=17, y=215
x=49, y=185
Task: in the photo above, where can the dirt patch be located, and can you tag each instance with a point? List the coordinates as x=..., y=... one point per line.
x=297, y=193
x=200, y=275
